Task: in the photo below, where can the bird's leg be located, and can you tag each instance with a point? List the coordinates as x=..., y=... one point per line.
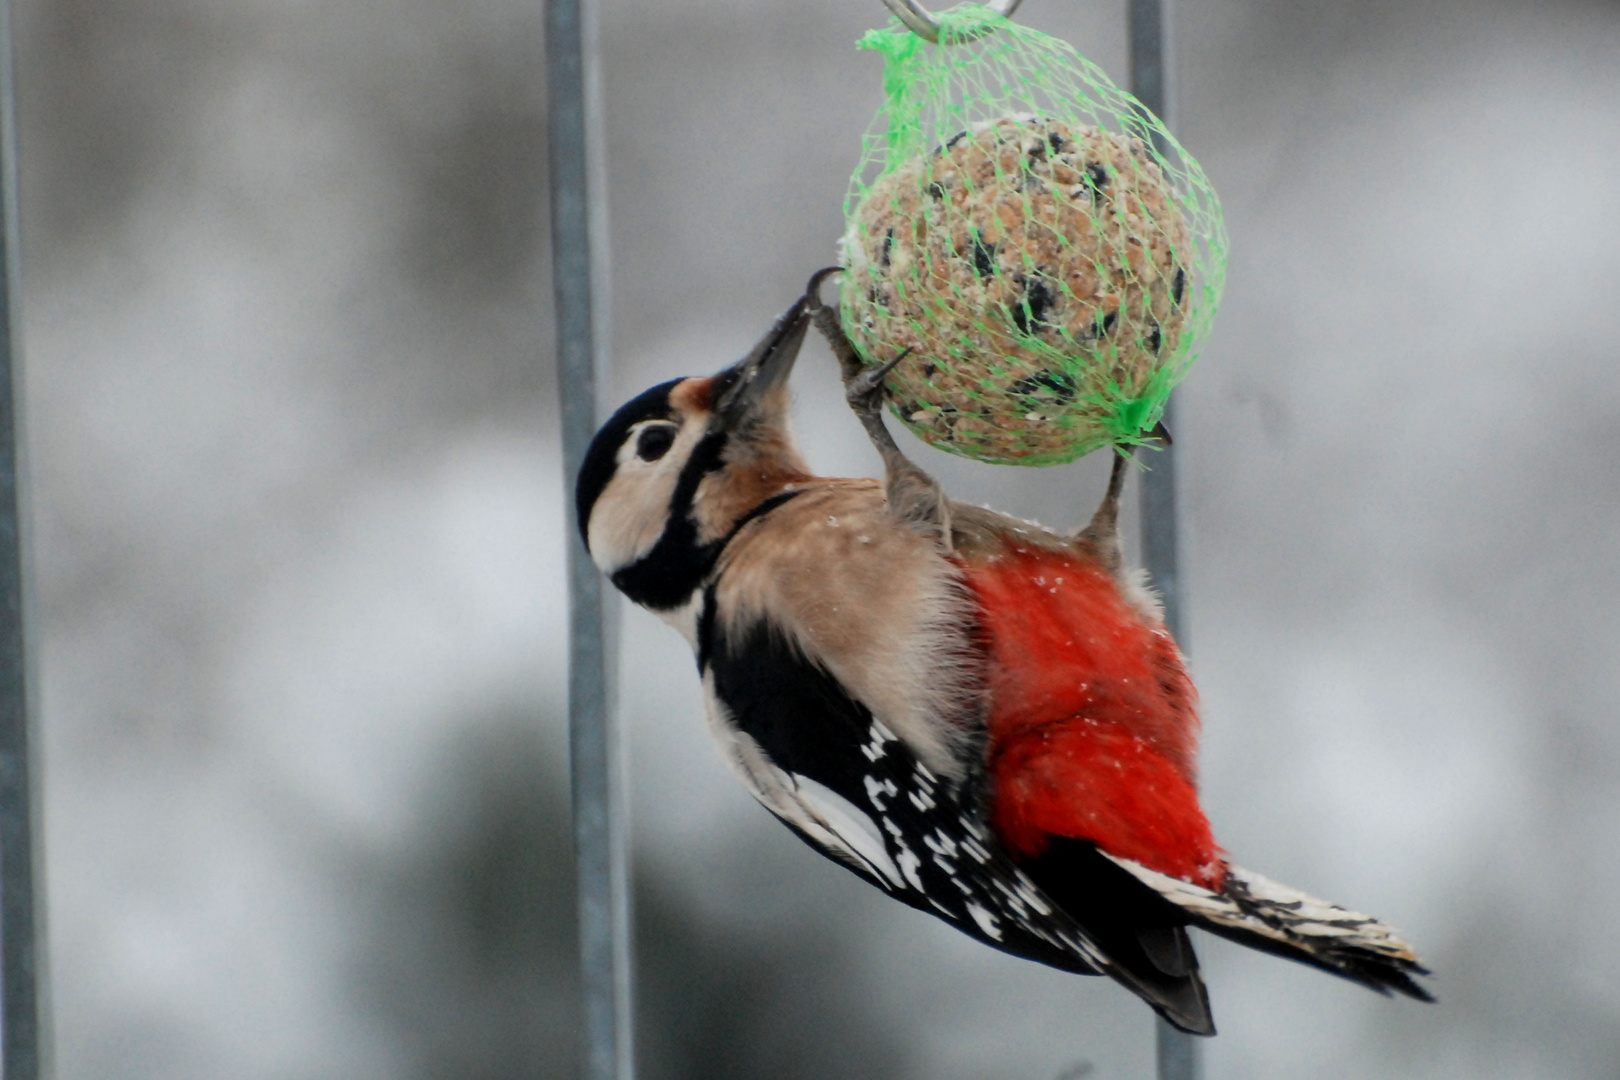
x=914, y=496
x=1103, y=532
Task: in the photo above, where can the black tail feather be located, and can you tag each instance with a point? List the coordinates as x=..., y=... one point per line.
x=1142, y=934
x=1385, y=975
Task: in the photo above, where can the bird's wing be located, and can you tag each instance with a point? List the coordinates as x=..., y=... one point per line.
x=822, y=763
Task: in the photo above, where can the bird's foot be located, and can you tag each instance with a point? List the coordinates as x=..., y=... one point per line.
x=1102, y=534
x=825, y=318
x=864, y=389
x=914, y=496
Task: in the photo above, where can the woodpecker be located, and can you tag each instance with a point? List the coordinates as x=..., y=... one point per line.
x=981, y=717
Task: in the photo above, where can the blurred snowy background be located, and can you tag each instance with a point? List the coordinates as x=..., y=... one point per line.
x=298, y=531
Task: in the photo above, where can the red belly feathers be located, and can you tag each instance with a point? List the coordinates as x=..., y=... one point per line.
x=1092, y=720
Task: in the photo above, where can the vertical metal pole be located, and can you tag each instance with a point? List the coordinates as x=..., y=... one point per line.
x=23, y=1044
x=578, y=244
x=24, y=1048
x=1151, y=66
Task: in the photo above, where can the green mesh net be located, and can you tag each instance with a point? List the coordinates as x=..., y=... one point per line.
x=1030, y=239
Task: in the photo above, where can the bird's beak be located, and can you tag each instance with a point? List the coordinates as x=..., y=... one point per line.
x=741, y=389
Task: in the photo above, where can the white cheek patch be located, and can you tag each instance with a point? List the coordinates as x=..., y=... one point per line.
x=632, y=511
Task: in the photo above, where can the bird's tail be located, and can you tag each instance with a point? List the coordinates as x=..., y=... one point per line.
x=1257, y=912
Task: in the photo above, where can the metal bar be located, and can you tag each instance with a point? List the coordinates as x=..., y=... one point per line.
x=578, y=216
x=1151, y=68
x=1161, y=540
x=1180, y=1055
x=24, y=1046
x=1152, y=81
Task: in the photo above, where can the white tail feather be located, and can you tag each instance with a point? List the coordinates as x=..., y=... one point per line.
x=1252, y=904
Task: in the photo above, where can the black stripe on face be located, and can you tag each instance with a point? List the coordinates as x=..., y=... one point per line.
x=668, y=575
x=665, y=577
x=601, y=460
x=705, y=630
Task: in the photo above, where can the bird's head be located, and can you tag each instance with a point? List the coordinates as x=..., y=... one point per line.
x=674, y=471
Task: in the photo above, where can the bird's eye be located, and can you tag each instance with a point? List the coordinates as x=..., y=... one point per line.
x=654, y=442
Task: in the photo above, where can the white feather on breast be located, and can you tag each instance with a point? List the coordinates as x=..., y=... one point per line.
x=873, y=602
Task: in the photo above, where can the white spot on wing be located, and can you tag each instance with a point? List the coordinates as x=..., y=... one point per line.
x=826, y=817
x=987, y=922
x=880, y=735
x=877, y=790
x=908, y=866
x=852, y=825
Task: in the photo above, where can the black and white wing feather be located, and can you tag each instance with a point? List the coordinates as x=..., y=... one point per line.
x=822, y=763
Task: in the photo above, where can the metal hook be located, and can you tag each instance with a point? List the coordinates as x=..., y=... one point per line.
x=920, y=22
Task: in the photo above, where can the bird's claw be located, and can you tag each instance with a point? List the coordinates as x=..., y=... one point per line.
x=812, y=291
x=863, y=388
x=825, y=318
